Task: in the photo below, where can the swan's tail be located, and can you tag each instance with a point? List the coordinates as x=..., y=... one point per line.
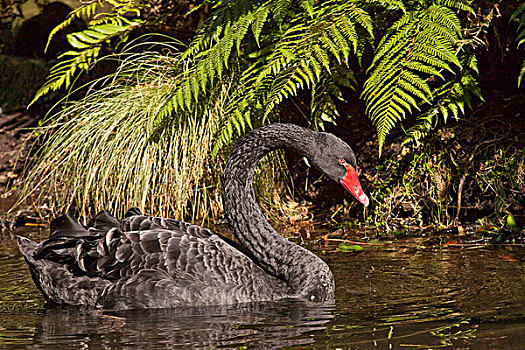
x=56, y=282
x=28, y=248
x=62, y=265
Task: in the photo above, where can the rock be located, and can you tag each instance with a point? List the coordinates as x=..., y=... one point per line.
x=3, y=180
x=31, y=38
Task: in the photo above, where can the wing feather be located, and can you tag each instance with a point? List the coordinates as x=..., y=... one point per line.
x=153, y=262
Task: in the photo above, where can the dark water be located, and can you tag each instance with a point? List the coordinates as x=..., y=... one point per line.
x=399, y=296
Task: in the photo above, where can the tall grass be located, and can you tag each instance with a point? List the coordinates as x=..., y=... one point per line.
x=111, y=150
x=107, y=151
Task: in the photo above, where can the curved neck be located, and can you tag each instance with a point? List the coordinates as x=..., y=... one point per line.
x=298, y=267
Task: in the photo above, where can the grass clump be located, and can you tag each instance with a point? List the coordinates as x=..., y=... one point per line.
x=108, y=150
x=114, y=149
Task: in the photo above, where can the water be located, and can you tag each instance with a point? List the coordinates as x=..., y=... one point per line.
x=400, y=296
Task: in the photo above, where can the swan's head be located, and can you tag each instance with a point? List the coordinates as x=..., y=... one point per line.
x=337, y=160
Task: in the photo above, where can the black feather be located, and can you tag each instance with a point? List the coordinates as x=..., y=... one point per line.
x=104, y=221
x=132, y=212
x=66, y=226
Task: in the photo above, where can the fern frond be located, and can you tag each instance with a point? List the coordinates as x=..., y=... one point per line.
x=397, y=36
x=450, y=100
x=244, y=25
x=86, y=10
x=88, y=43
x=391, y=4
x=522, y=73
x=361, y=17
x=344, y=29
x=305, y=53
x=287, y=84
x=462, y=5
x=211, y=50
x=61, y=74
x=280, y=10
x=325, y=93
x=421, y=44
x=235, y=118
x=259, y=19
x=444, y=17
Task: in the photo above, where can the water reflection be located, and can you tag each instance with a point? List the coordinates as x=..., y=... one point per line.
x=265, y=326
x=414, y=296
x=393, y=296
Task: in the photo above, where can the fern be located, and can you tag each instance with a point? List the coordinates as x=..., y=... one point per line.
x=309, y=42
x=88, y=43
x=89, y=10
x=212, y=48
x=421, y=44
x=286, y=46
x=86, y=10
x=268, y=51
x=450, y=100
x=326, y=93
x=61, y=74
x=519, y=16
x=305, y=53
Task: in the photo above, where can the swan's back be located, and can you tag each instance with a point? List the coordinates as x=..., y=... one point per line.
x=144, y=262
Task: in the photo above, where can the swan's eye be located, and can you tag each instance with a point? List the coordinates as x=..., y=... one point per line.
x=342, y=161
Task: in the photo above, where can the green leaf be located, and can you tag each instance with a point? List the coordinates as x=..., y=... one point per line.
x=511, y=224
x=77, y=44
x=259, y=19
x=109, y=28
x=347, y=247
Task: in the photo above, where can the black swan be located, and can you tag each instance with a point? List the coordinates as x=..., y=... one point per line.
x=152, y=262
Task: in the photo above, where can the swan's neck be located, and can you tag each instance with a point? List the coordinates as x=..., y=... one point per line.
x=306, y=274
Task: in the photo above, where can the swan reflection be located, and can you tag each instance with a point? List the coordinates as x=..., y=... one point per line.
x=253, y=325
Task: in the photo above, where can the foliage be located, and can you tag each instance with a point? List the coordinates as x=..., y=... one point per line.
x=288, y=46
x=450, y=99
x=279, y=48
x=347, y=247
x=246, y=62
x=420, y=45
x=455, y=176
x=102, y=29
x=107, y=151
x=415, y=185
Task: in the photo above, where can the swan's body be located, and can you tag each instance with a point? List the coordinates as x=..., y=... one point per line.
x=147, y=262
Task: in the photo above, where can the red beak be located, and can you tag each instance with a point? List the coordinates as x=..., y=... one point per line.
x=351, y=183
